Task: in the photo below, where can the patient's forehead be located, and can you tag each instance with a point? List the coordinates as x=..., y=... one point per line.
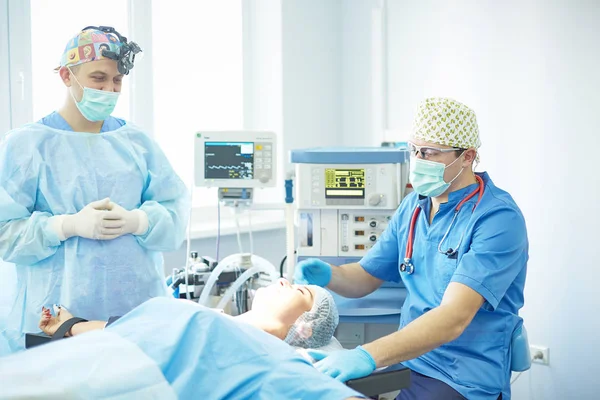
x=312, y=289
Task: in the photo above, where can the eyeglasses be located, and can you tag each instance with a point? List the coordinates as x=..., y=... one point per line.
x=429, y=152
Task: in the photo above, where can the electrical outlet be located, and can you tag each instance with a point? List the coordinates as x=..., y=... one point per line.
x=540, y=354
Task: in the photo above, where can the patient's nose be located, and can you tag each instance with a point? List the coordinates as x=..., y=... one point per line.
x=284, y=282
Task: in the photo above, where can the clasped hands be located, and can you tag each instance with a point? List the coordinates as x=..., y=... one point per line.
x=101, y=220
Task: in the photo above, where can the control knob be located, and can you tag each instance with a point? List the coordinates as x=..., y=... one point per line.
x=375, y=199
x=263, y=178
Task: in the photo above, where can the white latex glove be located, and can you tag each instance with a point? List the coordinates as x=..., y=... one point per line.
x=94, y=221
x=135, y=221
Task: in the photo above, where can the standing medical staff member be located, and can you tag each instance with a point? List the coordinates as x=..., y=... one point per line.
x=87, y=201
x=459, y=245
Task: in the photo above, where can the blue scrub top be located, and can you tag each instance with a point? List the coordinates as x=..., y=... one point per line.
x=56, y=121
x=492, y=260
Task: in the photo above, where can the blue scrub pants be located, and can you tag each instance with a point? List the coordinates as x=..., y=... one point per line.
x=425, y=388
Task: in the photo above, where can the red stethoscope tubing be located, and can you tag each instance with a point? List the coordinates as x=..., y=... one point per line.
x=411, y=232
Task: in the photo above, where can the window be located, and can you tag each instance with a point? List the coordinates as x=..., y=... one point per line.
x=53, y=23
x=197, y=60
x=5, y=114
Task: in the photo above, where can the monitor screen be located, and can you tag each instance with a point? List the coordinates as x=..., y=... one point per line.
x=344, y=183
x=229, y=160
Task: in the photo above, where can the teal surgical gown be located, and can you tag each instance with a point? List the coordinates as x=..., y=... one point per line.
x=491, y=260
x=47, y=169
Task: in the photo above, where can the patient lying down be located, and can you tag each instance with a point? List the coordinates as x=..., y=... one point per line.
x=304, y=316
x=168, y=349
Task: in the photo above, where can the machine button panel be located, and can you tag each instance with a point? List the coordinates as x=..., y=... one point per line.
x=263, y=162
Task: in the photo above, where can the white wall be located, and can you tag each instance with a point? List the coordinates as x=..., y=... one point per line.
x=311, y=40
x=530, y=71
x=263, y=66
x=292, y=82
x=357, y=72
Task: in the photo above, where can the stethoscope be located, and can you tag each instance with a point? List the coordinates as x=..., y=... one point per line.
x=407, y=266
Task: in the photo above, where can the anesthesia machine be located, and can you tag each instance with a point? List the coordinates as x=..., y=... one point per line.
x=345, y=200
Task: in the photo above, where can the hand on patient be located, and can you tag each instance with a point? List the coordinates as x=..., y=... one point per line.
x=312, y=272
x=344, y=365
x=49, y=324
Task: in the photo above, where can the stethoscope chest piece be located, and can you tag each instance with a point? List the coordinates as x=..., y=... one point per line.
x=407, y=266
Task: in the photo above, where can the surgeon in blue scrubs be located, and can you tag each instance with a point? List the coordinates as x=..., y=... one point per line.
x=87, y=201
x=459, y=245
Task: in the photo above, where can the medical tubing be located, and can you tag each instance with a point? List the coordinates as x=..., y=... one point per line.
x=238, y=231
x=514, y=379
x=289, y=236
x=282, y=263
x=242, y=279
x=218, y=228
x=188, y=240
x=250, y=231
x=173, y=274
x=222, y=266
x=289, y=229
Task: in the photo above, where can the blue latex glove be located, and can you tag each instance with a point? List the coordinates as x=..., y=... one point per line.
x=312, y=272
x=344, y=365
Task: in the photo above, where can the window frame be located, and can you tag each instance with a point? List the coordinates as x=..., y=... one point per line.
x=5, y=109
x=18, y=28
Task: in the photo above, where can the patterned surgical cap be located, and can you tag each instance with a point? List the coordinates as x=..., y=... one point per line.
x=447, y=122
x=88, y=46
x=315, y=328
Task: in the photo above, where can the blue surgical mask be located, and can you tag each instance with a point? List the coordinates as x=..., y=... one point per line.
x=96, y=105
x=427, y=177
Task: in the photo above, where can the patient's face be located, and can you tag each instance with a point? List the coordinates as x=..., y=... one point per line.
x=283, y=301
